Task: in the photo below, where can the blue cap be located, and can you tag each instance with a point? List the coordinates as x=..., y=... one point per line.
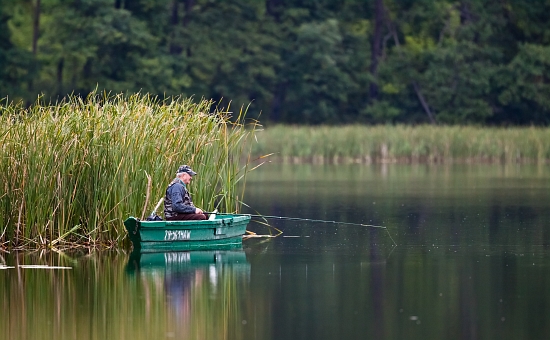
x=187, y=169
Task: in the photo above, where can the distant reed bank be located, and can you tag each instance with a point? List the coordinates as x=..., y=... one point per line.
x=373, y=144
x=71, y=172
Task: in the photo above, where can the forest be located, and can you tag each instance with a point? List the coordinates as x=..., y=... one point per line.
x=450, y=62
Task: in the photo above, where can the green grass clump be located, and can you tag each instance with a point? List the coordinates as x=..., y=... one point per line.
x=71, y=172
x=366, y=144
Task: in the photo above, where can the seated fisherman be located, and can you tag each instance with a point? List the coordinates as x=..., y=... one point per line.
x=178, y=205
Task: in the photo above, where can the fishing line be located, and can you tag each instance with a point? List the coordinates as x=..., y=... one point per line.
x=309, y=220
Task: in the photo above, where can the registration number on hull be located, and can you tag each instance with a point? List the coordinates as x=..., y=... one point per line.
x=177, y=235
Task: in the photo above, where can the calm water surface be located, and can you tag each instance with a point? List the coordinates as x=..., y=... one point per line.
x=465, y=256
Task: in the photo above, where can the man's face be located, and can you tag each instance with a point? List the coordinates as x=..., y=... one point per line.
x=185, y=178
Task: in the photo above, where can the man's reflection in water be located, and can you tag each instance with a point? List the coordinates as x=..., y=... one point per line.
x=179, y=288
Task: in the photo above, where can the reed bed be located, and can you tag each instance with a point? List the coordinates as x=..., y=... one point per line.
x=370, y=144
x=72, y=171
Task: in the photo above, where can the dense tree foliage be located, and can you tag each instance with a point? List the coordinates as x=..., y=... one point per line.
x=304, y=62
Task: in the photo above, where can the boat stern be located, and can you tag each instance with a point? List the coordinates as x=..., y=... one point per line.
x=132, y=225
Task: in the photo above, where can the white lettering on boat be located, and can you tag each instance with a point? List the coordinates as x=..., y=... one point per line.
x=175, y=258
x=177, y=235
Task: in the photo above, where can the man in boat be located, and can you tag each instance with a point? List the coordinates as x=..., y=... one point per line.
x=178, y=205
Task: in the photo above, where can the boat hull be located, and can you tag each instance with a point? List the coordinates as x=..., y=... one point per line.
x=223, y=232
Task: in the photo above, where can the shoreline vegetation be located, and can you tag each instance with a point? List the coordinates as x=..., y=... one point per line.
x=404, y=144
x=71, y=172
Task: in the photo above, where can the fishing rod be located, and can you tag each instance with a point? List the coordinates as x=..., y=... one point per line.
x=301, y=219
x=154, y=217
x=309, y=220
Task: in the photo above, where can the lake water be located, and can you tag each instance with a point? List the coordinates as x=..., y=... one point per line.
x=463, y=254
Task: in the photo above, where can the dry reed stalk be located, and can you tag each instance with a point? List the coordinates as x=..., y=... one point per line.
x=147, y=195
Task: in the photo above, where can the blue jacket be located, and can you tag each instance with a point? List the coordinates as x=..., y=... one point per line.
x=177, y=200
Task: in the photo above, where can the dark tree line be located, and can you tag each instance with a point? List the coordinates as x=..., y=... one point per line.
x=297, y=61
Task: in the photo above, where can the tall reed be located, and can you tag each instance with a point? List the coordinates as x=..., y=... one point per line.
x=357, y=143
x=74, y=170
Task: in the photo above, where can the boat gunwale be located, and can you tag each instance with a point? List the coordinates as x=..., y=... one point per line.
x=219, y=222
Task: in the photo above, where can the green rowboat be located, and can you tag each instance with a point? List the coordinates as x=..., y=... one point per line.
x=222, y=232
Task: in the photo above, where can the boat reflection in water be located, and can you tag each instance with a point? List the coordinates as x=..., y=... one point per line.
x=203, y=290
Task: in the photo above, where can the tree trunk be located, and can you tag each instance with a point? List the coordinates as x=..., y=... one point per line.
x=376, y=47
x=423, y=102
x=188, y=8
x=87, y=70
x=35, y=34
x=187, y=18
x=60, y=76
x=465, y=13
x=277, y=102
x=175, y=12
x=273, y=8
x=174, y=48
x=415, y=85
x=35, y=27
